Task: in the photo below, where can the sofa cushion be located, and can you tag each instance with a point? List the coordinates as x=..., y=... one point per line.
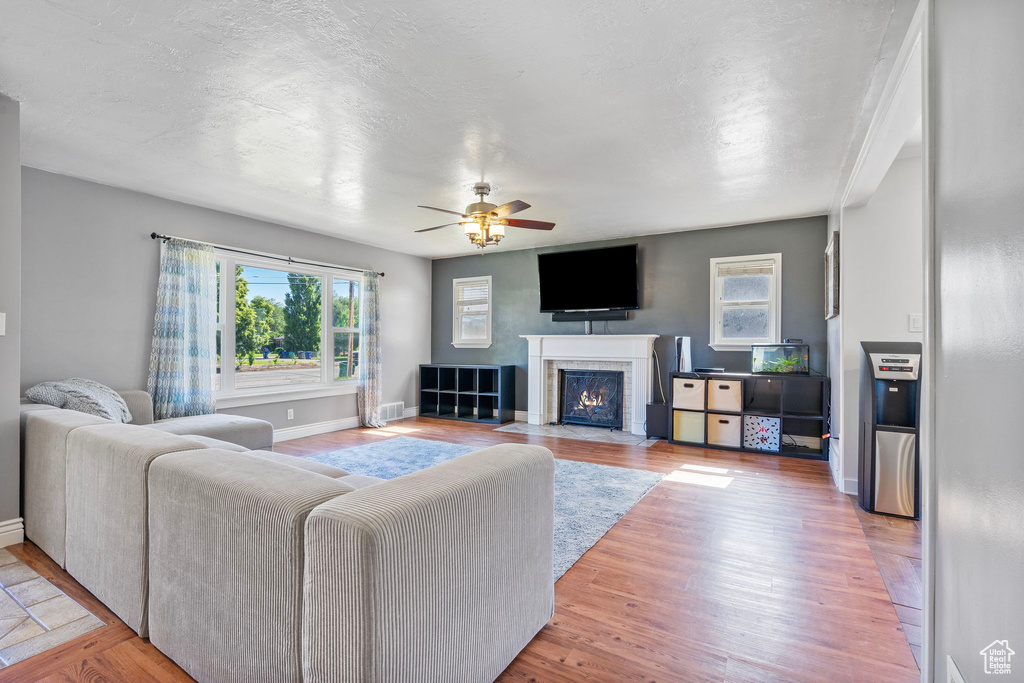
x=29, y=407
x=44, y=451
x=360, y=481
x=245, y=431
x=83, y=395
x=226, y=555
x=140, y=403
x=216, y=443
x=302, y=464
x=107, y=526
x=444, y=574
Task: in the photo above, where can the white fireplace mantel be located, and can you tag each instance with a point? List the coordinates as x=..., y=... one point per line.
x=635, y=349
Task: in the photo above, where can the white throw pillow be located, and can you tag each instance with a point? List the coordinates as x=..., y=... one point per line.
x=83, y=395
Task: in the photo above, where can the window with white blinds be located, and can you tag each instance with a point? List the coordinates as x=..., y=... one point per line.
x=471, y=316
x=746, y=301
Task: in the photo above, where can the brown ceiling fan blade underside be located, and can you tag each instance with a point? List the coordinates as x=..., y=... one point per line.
x=434, y=208
x=532, y=225
x=437, y=227
x=511, y=208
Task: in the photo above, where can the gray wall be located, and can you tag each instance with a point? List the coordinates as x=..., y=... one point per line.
x=675, y=271
x=10, y=303
x=90, y=282
x=976, y=108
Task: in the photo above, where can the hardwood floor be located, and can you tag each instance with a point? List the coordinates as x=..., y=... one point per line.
x=736, y=567
x=896, y=546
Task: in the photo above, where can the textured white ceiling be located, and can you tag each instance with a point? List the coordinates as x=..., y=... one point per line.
x=611, y=118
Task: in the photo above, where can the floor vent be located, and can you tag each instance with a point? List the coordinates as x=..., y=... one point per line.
x=392, y=411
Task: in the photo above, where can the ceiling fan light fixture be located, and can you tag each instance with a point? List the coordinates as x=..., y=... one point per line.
x=484, y=223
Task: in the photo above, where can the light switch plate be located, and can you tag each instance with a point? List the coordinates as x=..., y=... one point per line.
x=914, y=322
x=3, y=324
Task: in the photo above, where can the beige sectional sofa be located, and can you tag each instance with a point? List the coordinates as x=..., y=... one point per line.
x=44, y=454
x=257, y=566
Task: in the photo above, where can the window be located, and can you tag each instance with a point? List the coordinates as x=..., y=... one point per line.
x=746, y=301
x=345, y=328
x=472, y=312
x=274, y=337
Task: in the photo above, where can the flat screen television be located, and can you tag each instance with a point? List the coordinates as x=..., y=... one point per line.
x=589, y=280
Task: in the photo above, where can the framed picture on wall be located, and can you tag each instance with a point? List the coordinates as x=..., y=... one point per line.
x=832, y=277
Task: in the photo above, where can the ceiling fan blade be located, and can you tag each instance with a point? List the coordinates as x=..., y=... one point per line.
x=511, y=208
x=434, y=208
x=532, y=225
x=437, y=227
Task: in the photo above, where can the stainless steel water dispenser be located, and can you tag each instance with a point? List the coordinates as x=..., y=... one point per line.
x=890, y=471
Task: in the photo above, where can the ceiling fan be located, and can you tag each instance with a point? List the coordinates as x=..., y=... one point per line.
x=484, y=222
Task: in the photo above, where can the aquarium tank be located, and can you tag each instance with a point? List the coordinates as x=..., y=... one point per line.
x=779, y=358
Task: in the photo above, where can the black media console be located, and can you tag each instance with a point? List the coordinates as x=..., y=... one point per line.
x=474, y=393
x=780, y=413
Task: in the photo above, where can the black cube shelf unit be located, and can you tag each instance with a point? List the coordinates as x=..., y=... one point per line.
x=784, y=414
x=474, y=393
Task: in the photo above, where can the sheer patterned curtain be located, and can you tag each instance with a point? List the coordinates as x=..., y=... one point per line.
x=184, y=355
x=370, y=381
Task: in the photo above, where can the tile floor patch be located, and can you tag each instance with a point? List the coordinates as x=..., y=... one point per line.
x=48, y=640
x=36, y=590
x=6, y=558
x=13, y=574
x=34, y=614
x=7, y=625
x=57, y=612
x=9, y=608
x=27, y=629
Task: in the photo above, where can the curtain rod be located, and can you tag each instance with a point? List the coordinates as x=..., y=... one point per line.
x=286, y=259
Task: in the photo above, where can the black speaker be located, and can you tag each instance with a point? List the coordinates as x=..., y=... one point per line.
x=657, y=421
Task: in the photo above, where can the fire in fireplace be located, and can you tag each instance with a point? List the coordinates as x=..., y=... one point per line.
x=590, y=397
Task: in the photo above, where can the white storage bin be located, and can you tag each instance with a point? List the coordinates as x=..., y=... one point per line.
x=687, y=394
x=687, y=426
x=724, y=430
x=725, y=395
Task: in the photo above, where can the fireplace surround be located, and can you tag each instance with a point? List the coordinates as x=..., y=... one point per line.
x=629, y=353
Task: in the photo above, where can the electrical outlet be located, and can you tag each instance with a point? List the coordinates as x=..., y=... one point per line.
x=291, y=413
x=914, y=322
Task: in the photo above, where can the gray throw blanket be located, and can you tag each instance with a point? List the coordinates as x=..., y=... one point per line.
x=83, y=395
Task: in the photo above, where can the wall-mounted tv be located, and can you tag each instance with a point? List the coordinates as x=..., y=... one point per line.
x=589, y=280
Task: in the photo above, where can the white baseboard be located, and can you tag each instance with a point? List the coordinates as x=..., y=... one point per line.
x=522, y=416
x=850, y=486
x=12, y=531
x=289, y=433
x=312, y=429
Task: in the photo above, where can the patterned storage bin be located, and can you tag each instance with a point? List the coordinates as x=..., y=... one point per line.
x=761, y=433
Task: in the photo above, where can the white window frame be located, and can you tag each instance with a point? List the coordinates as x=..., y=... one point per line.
x=332, y=330
x=230, y=397
x=457, y=340
x=718, y=341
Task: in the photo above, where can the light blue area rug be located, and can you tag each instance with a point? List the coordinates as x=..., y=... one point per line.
x=589, y=498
